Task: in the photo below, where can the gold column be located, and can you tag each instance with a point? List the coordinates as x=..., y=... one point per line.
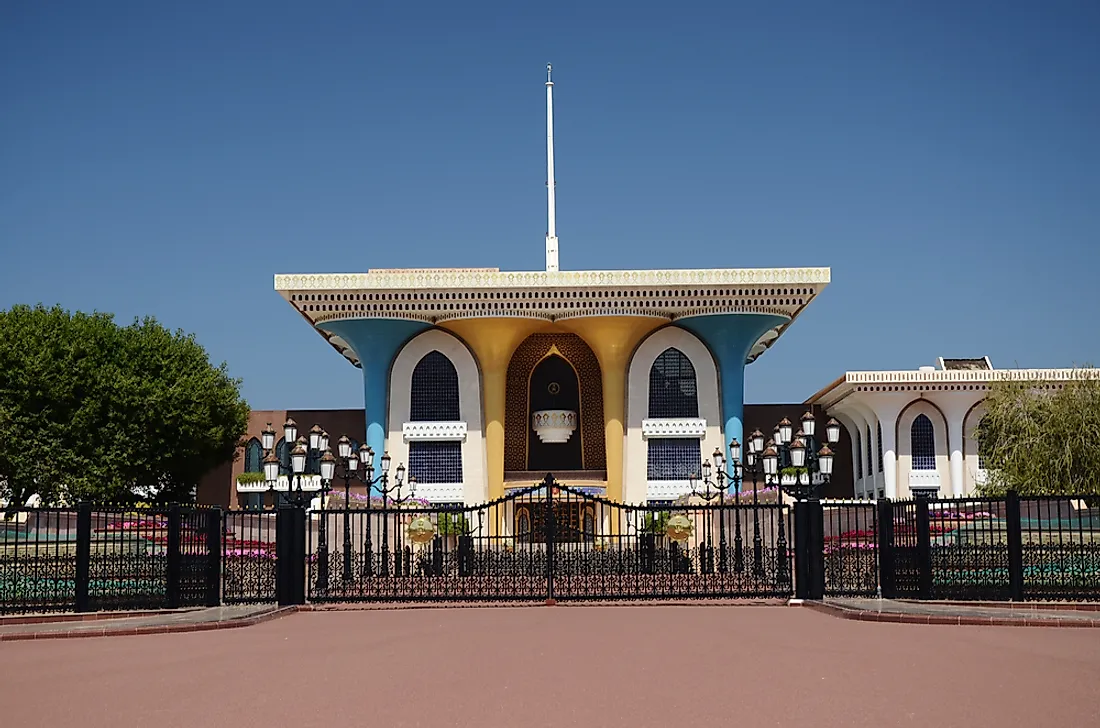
x=613, y=340
x=494, y=340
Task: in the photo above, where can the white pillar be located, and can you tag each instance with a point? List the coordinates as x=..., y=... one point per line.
x=890, y=458
x=851, y=424
x=955, y=447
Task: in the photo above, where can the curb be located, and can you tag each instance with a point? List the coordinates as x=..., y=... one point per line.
x=21, y=619
x=394, y=606
x=153, y=629
x=839, y=612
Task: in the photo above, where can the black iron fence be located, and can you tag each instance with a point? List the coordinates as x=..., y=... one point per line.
x=99, y=557
x=550, y=542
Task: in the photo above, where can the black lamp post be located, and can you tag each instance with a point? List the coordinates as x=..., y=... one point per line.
x=351, y=459
x=390, y=494
x=716, y=488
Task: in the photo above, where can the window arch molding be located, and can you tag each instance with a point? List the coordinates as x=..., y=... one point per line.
x=908, y=475
x=637, y=401
x=475, y=487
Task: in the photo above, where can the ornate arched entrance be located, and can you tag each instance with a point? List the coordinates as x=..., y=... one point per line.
x=554, y=440
x=550, y=376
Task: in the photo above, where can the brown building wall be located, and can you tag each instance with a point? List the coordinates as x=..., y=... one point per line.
x=219, y=487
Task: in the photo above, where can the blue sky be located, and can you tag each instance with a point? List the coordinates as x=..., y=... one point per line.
x=942, y=157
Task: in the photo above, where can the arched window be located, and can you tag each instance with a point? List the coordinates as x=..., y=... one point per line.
x=923, y=443
x=878, y=433
x=858, y=440
x=434, y=390
x=434, y=398
x=672, y=388
x=253, y=457
x=870, y=464
x=673, y=393
x=283, y=453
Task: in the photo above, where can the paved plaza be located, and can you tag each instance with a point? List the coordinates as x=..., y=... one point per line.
x=645, y=665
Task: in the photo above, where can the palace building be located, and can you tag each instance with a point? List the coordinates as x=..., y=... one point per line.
x=481, y=381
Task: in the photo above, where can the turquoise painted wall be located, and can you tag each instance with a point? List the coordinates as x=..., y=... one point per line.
x=376, y=343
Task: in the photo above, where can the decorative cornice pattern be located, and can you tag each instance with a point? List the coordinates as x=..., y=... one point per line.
x=434, y=431
x=421, y=278
x=683, y=427
x=434, y=296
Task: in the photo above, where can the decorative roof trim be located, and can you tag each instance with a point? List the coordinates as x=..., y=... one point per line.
x=434, y=296
x=417, y=279
x=940, y=380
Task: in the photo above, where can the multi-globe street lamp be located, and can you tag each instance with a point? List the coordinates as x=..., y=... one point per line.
x=352, y=460
x=767, y=458
x=797, y=452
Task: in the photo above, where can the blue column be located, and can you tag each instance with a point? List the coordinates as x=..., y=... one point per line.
x=730, y=337
x=376, y=343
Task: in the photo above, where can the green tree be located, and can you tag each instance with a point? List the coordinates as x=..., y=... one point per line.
x=1041, y=441
x=97, y=411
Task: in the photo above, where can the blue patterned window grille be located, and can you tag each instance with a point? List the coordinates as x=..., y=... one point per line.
x=923, y=441
x=435, y=462
x=253, y=456
x=858, y=442
x=878, y=426
x=434, y=390
x=672, y=388
x=870, y=464
x=673, y=458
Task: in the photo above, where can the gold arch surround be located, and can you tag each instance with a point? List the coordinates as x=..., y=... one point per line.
x=577, y=353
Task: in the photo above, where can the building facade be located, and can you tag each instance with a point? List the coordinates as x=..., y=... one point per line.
x=914, y=430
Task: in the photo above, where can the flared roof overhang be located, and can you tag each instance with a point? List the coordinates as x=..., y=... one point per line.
x=436, y=295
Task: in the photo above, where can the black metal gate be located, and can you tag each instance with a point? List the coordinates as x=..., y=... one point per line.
x=549, y=542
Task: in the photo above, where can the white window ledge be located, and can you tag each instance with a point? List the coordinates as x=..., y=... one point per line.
x=434, y=431
x=440, y=492
x=679, y=427
x=924, y=479
x=667, y=489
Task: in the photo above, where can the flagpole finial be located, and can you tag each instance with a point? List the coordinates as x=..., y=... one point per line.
x=549, y=68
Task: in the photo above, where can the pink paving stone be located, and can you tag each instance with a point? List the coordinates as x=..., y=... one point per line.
x=560, y=666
